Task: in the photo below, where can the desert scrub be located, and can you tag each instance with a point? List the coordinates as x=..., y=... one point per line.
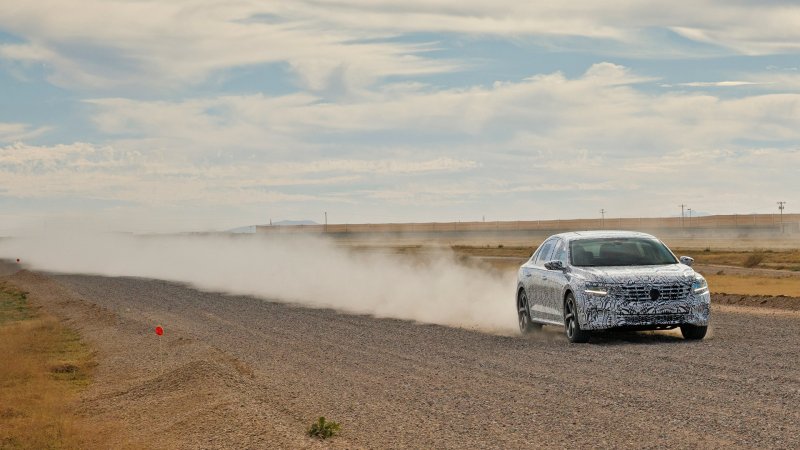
x=13, y=304
x=754, y=259
x=44, y=367
x=323, y=429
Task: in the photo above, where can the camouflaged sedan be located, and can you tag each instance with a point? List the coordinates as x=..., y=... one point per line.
x=597, y=280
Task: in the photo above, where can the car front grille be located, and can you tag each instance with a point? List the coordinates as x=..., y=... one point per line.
x=655, y=292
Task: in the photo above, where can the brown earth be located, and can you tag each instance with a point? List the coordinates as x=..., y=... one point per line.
x=241, y=372
x=782, y=302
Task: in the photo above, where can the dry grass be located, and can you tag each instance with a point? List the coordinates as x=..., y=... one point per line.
x=728, y=283
x=754, y=285
x=496, y=250
x=753, y=259
x=766, y=259
x=510, y=257
x=44, y=367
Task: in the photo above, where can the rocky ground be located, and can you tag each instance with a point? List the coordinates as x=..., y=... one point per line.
x=241, y=372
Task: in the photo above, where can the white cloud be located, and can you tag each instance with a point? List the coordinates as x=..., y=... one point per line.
x=374, y=167
x=746, y=27
x=354, y=136
x=601, y=111
x=596, y=139
x=786, y=80
x=12, y=132
x=106, y=44
x=85, y=170
x=718, y=83
x=110, y=44
x=26, y=52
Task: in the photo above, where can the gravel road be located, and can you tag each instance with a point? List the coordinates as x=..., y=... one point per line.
x=242, y=372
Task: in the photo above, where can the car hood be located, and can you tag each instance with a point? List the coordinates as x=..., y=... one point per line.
x=660, y=274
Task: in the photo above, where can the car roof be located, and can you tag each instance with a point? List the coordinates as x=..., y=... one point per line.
x=600, y=234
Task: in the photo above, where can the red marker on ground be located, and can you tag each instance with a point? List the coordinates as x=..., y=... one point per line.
x=160, y=331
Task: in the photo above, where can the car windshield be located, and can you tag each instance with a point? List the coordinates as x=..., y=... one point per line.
x=631, y=251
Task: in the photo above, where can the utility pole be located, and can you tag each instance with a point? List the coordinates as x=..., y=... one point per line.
x=682, y=206
x=602, y=218
x=326, y=221
x=690, y=217
x=780, y=207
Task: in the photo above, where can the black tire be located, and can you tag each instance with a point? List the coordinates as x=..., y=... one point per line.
x=526, y=325
x=571, y=325
x=693, y=332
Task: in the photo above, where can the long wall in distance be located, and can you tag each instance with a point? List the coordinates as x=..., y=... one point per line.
x=736, y=230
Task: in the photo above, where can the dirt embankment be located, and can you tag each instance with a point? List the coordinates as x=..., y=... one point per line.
x=759, y=301
x=241, y=372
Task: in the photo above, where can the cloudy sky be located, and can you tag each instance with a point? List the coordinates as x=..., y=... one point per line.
x=152, y=115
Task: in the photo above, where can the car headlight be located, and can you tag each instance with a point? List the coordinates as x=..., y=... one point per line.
x=594, y=288
x=700, y=285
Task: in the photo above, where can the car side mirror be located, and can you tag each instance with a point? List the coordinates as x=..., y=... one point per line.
x=554, y=265
x=687, y=260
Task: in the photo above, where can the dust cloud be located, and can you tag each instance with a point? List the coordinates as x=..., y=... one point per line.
x=433, y=288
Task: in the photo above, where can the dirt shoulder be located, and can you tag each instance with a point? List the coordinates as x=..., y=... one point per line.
x=45, y=368
x=181, y=393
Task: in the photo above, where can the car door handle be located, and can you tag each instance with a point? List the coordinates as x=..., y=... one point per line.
x=544, y=278
x=527, y=274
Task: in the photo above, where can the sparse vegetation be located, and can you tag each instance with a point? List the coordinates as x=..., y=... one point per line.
x=753, y=260
x=753, y=285
x=13, y=304
x=44, y=366
x=323, y=429
x=769, y=259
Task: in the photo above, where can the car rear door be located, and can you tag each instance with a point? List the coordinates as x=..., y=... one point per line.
x=538, y=290
x=555, y=281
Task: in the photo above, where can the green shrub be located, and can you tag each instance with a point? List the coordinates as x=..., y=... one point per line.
x=323, y=429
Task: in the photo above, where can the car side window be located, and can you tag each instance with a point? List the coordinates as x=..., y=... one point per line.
x=560, y=253
x=544, y=252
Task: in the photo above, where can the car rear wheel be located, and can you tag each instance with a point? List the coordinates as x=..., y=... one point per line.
x=571, y=325
x=526, y=325
x=693, y=332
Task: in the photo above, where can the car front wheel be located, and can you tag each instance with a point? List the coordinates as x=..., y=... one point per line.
x=693, y=332
x=571, y=325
